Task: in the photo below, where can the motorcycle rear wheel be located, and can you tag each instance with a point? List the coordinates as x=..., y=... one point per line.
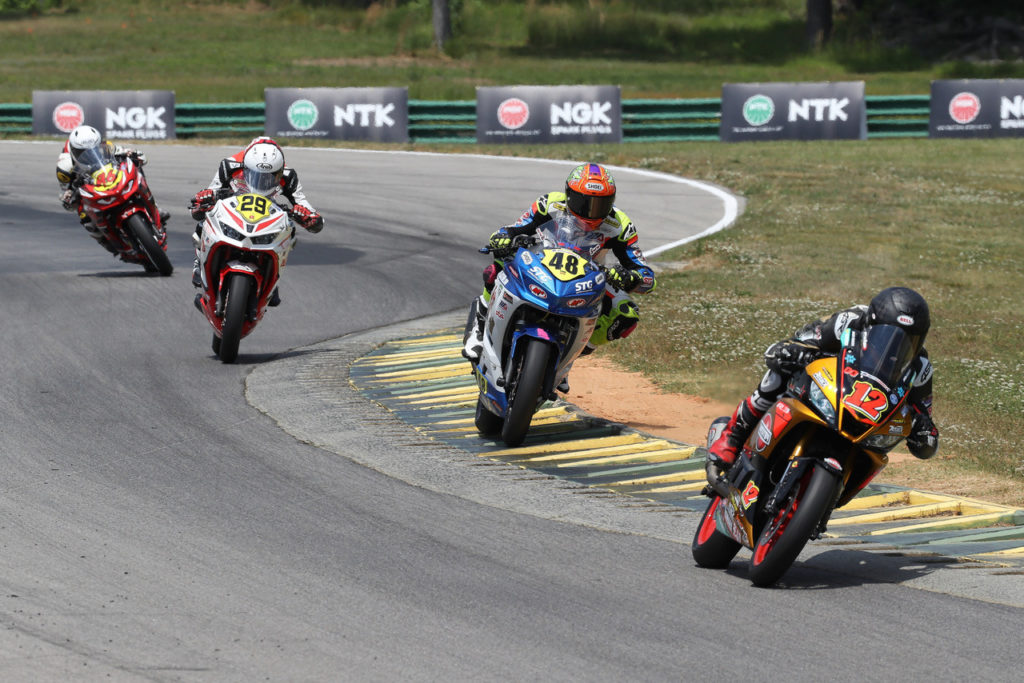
x=786, y=534
x=711, y=548
x=526, y=382
x=235, y=307
x=143, y=233
x=487, y=423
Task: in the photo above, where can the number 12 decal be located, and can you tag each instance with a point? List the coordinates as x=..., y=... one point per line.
x=866, y=400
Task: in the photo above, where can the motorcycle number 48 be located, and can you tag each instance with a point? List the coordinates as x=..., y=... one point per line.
x=253, y=207
x=563, y=264
x=866, y=400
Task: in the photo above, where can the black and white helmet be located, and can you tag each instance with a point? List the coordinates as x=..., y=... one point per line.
x=903, y=307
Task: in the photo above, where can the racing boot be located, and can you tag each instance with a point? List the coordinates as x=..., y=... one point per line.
x=275, y=298
x=197, y=279
x=722, y=453
x=473, y=337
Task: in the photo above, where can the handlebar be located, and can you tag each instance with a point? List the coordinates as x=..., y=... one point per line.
x=517, y=241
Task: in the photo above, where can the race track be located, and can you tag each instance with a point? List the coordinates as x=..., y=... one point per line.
x=156, y=526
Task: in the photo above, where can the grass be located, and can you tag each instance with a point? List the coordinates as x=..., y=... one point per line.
x=827, y=224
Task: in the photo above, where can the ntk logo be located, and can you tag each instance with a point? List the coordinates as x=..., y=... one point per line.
x=364, y=115
x=758, y=110
x=819, y=109
x=302, y=114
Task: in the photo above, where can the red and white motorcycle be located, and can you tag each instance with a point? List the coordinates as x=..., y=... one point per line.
x=245, y=242
x=115, y=194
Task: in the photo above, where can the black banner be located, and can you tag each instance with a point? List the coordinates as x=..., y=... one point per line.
x=378, y=114
x=547, y=114
x=793, y=111
x=976, y=108
x=117, y=114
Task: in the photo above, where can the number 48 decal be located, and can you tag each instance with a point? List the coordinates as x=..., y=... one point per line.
x=866, y=400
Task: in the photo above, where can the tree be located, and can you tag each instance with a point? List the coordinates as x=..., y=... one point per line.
x=442, y=23
x=819, y=23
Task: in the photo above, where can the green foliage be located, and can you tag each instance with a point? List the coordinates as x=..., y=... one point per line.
x=22, y=7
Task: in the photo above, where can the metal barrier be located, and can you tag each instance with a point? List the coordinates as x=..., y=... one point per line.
x=643, y=120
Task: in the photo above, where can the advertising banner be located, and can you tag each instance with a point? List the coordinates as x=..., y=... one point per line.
x=548, y=114
x=793, y=111
x=377, y=114
x=976, y=108
x=117, y=114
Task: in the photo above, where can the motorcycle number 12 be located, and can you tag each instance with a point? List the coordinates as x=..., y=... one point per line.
x=253, y=207
x=564, y=264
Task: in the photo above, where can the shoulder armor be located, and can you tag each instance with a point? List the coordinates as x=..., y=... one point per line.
x=289, y=181
x=227, y=170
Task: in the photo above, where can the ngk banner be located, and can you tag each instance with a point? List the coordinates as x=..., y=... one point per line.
x=793, y=111
x=976, y=108
x=544, y=114
x=124, y=114
x=378, y=114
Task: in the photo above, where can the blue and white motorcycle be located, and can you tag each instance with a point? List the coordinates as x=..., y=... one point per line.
x=543, y=310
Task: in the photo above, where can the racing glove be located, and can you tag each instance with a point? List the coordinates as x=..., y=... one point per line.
x=67, y=200
x=923, y=441
x=500, y=241
x=788, y=357
x=310, y=220
x=624, y=279
x=138, y=157
x=201, y=203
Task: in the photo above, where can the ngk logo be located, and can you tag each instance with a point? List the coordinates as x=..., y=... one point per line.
x=964, y=107
x=573, y=118
x=581, y=113
x=136, y=122
x=1011, y=112
x=67, y=116
x=364, y=115
x=819, y=109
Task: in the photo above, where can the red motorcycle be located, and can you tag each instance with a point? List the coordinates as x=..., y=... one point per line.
x=116, y=196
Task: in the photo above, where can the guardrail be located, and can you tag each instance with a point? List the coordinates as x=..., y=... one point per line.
x=643, y=120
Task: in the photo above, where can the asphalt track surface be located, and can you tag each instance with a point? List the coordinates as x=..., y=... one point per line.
x=158, y=522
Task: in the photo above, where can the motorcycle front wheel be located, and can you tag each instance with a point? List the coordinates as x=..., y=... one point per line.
x=526, y=381
x=235, y=306
x=711, y=548
x=786, y=534
x=146, y=240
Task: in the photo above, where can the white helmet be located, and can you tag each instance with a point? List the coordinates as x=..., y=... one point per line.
x=81, y=139
x=263, y=165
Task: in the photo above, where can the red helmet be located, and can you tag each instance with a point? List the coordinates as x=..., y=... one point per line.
x=590, y=193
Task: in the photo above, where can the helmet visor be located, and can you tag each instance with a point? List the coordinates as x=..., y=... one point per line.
x=589, y=206
x=262, y=182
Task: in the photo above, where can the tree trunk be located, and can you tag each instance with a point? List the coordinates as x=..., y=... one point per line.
x=442, y=23
x=819, y=23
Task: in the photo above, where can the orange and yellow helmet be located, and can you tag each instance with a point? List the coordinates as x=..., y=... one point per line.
x=590, y=193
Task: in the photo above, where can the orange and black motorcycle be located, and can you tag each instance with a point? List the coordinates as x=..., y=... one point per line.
x=812, y=452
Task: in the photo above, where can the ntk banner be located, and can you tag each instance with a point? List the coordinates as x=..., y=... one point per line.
x=117, y=114
x=976, y=108
x=548, y=114
x=377, y=114
x=793, y=111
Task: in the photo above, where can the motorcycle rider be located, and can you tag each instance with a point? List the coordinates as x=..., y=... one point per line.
x=899, y=306
x=82, y=139
x=589, y=196
x=259, y=167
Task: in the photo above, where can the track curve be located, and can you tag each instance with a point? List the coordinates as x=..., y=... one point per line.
x=157, y=527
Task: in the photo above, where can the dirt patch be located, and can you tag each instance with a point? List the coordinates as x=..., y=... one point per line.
x=602, y=389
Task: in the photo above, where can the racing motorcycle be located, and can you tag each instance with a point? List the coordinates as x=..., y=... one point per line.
x=246, y=239
x=543, y=310
x=821, y=443
x=116, y=196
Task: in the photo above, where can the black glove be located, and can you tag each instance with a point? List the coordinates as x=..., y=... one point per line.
x=923, y=441
x=138, y=157
x=623, y=278
x=788, y=357
x=500, y=241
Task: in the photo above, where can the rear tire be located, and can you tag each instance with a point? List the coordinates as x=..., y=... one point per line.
x=487, y=423
x=235, y=307
x=711, y=548
x=526, y=389
x=146, y=240
x=785, y=535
